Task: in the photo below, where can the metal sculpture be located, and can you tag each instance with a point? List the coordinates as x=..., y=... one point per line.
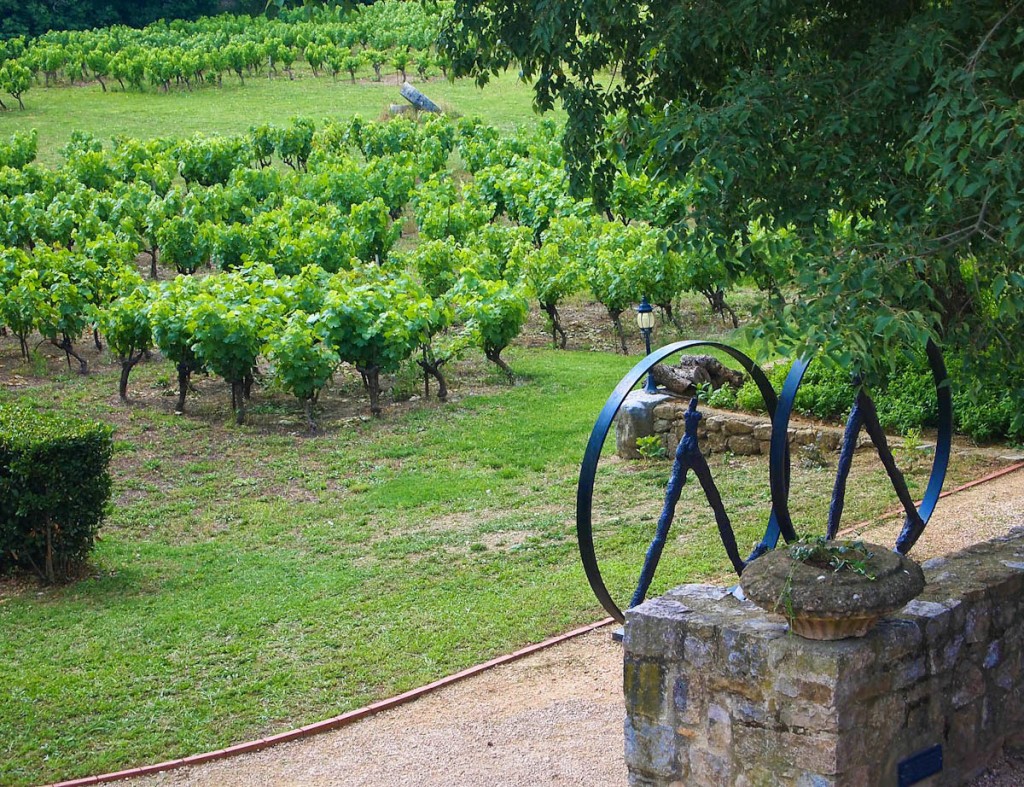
x=863, y=415
x=688, y=457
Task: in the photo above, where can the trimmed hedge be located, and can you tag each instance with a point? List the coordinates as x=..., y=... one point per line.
x=54, y=490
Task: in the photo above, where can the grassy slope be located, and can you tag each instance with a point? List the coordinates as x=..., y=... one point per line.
x=253, y=579
x=233, y=108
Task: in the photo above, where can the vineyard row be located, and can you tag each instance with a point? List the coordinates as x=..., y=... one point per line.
x=294, y=232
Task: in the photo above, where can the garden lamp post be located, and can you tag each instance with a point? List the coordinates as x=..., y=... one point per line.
x=645, y=320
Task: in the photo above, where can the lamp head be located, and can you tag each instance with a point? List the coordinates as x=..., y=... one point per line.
x=645, y=315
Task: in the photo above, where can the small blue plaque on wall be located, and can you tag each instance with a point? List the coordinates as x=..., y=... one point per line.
x=920, y=766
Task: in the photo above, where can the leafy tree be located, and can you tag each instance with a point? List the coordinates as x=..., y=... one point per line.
x=377, y=59
x=295, y=142
x=352, y=62
x=400, y=60
x=554, y=271
x=287, y=57
x=231, y=245
x=261, y=142
x=67, y=284
x=392, y=179
x=210, y=160
x=316, y=56
x=226, y=322
x=494, y=312
x=98, y=61
x=22, y=297
x=424, y=62
x=15, y=79
x=20, y=150
x=338, y=181
x=335, y=60
x=902, y=119
x=19, y=217
x=501, y=250
x=372, y=230
x=136, y=213
x=33, y=18
x=184, y=243
x=441, y=214
x=438, y=262
x=144, y=161
x=108, y=261
x=130, y=66
x=302, y=360
x=374, y=322
x=234, y=55
x=534, y=192
x=440, y=343
x=305, y=292
x=169, y=315
x=627, y=263
x=125, y=323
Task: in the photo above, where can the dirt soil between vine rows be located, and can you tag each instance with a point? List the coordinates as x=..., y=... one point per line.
x=552, y=718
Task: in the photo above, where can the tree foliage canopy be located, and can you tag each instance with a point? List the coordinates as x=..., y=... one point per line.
x=882, y=141
x=35, y=17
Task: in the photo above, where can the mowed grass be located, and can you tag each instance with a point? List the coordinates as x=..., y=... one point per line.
x=233, y=108
x=251, y=580
x=254, y=579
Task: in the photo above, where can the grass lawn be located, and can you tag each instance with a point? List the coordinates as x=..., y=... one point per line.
x=234, y=108
x=253, y=579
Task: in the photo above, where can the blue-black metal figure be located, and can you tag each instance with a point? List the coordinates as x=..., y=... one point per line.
x=688, y=457
x=592, y=455
x=863, y=415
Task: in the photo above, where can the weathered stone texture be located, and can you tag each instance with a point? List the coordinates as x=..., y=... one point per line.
x=643, y=415
x=719, y=693
x=637, y=418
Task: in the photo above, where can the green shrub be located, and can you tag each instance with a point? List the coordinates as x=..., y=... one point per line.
x=909, y=401
x=826, y=393
x=54, y=488
x=987, y=408
x=724, y=397
x=749, y=398
x=650, y=447
x=983, y=409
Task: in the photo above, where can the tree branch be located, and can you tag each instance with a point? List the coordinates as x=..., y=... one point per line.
x=972, y=62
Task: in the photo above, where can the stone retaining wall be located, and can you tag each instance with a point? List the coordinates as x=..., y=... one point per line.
x=719, y=693
x=719, y=431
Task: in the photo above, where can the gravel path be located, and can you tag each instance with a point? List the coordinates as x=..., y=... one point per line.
x=553, y=718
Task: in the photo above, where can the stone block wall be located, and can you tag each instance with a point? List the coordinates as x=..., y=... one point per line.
x=719, y=693
x=745, y=435
x=719, y=431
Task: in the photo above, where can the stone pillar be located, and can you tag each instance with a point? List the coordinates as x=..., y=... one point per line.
x=719, y=693
x=635, y=419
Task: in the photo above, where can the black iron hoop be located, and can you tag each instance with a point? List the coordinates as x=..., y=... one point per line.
x=780, y=408
x=592, y=455
x=863, y=414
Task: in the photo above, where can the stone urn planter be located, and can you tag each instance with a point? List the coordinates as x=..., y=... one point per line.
x=832, y=589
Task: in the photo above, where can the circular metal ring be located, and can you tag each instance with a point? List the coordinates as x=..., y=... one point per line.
x=588, y=468
x=779, y=477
